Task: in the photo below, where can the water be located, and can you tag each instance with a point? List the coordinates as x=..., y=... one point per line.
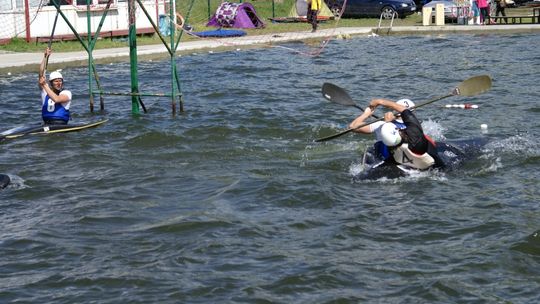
x=232, y=202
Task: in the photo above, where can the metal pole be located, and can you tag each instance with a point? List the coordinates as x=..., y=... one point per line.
x=90, y=58
x=173, y=47
x=133, y=57
x=27, y=19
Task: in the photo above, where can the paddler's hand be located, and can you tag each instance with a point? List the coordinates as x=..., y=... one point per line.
x=42, y=81
x=389, y=116
x=48, y=52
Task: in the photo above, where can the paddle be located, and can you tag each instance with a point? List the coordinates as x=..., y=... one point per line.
x=469, y=87
x=52, y=35
x=338, y=95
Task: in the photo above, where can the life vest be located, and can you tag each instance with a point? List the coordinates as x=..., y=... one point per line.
x=52, y=110
x=403, y=155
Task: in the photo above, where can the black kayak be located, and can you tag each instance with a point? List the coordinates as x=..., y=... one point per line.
x=453, y=155
x=4, y=180
x=48, y=129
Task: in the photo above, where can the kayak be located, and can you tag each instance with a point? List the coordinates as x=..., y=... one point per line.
x=48, y=129
x=452, y=154
x=4, y=181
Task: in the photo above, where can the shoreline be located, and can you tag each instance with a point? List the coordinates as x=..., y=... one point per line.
x=13, y=62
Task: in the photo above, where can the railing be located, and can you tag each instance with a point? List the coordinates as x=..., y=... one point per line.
x=395, y=14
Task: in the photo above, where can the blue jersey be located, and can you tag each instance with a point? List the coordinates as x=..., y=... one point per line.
x=52, y=110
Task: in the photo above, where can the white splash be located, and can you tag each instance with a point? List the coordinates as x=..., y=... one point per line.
x=355, y=169
x=433, y=129
x=16, y=182
x=518, y=144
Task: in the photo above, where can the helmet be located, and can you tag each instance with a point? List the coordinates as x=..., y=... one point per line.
x=390, y=134
x=406, y=103
x=55, y=75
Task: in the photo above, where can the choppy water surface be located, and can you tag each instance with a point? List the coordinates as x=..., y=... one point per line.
x=232, y=202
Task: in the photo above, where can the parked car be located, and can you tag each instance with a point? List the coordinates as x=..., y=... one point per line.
x=373, y=8
x=450, y=9
x=510, y=3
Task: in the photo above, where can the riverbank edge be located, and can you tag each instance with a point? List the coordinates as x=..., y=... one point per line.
x=12, y=62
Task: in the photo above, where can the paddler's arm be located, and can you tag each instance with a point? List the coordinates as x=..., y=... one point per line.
x=387, y=104
x=361, y=120
x=388, y=116
x=43, y=80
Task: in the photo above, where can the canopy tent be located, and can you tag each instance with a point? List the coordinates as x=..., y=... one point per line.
x=237, y=15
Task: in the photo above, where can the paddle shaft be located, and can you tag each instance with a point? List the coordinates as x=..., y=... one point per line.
x=52, y=35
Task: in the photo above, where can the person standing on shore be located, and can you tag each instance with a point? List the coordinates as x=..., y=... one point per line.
x=54, y=98
x=501, y=6
x=475, y=12
x=484, y=11
x=313, y=11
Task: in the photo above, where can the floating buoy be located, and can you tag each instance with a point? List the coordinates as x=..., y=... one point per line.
x=462, y=106
x=484, y=128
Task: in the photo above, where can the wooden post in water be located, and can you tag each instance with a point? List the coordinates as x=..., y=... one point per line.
x=133, y=57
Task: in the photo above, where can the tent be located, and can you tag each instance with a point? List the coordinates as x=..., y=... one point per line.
x=299, y=10
x=237, y=15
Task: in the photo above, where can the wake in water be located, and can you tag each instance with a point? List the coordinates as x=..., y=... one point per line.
x=514, y=151
x=475, y=157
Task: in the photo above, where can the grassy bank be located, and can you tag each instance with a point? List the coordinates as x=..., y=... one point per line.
x=197, y=16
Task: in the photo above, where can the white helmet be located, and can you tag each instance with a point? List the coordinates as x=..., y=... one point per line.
x=390, y=134
x=406, y=103
x=55, y=75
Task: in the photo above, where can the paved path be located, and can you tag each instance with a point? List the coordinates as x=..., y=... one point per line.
x=11, y=61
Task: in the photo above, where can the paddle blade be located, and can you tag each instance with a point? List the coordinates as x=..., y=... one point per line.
x=473, y=86
x=336, y=94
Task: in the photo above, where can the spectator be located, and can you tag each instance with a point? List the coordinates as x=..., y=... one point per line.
x=483, y=5
x=501, y=6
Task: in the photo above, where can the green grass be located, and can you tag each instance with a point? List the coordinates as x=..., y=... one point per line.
x=197, y=16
